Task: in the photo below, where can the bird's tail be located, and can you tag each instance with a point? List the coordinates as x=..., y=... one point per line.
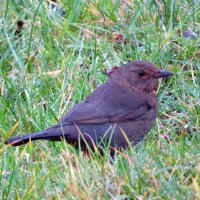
x=44, y=135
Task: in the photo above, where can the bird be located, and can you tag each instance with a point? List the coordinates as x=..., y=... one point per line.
x=119, y=112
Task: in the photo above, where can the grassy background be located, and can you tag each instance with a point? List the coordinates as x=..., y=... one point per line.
x=55, y=61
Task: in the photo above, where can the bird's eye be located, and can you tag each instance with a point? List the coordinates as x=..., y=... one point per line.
x=142, y=73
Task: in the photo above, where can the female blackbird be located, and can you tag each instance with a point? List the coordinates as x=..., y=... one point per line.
x=120, y=111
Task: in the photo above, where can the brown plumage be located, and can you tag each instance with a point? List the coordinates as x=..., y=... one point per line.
x=125, y=104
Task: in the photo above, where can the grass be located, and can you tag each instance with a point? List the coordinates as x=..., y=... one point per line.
x=54, y=62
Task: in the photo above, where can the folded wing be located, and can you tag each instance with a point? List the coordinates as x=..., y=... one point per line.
x=105, y=105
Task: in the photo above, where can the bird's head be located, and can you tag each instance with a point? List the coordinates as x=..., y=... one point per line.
x=141, y=75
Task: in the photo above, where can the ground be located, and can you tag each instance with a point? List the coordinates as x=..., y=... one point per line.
x=52, y=56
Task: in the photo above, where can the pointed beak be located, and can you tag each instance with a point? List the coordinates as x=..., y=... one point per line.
x=163, y=73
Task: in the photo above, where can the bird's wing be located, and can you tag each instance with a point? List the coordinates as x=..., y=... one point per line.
x=106, y=105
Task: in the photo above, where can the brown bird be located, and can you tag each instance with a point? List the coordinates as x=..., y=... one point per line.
x=125, y=107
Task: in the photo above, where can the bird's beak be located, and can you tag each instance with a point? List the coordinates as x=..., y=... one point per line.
x=163, y=73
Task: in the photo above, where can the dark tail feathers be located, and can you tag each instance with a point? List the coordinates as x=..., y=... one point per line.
x=23, y=139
